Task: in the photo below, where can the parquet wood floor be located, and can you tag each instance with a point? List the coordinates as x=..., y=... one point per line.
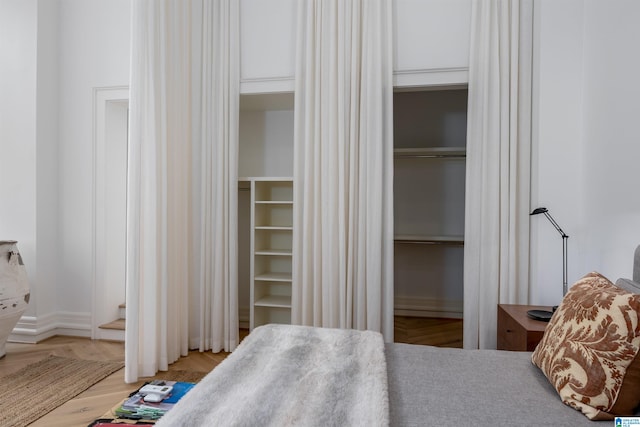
x=101, y=397
x=428, y=331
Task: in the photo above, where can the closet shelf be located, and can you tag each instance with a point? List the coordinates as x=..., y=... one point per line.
x=428, y=240
x=431, y=152
x=277, y=252
x=274, y=301
x=274, y=202
x=274, y=277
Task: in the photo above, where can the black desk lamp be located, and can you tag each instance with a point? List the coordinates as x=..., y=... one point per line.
x=543, y=314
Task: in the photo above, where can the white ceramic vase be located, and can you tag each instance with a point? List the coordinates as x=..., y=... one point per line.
x=14, y=289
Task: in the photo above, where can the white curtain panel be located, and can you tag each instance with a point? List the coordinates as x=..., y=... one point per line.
x=218, y=234
x=496, y=254
x=343, y=166
x=181, y=240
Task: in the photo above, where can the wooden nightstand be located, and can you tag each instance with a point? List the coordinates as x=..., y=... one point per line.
x=517, y=331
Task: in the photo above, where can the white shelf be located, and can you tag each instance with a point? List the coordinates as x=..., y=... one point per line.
x=274, y=301
x=274, y=277
x=268, y=178
x=431, y=152
x=274, y=202
x=431, y=239
x=276, y=252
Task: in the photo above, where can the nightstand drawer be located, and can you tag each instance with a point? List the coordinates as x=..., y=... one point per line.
x=516, y=331
x=511, y=336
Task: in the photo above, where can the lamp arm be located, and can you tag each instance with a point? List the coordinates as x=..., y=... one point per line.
x=565, y=238
x=555, y=224
x=565, y=286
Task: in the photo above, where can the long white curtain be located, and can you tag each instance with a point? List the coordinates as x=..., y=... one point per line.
x=496, y=254
x=218, y=234
x=343, y=166
x=181, y=243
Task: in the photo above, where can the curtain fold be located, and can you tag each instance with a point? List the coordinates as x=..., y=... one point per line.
x=181, y=226
x=498, y=181
x=343, y=166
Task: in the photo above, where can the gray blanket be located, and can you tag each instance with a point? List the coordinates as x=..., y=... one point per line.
x=292, y=376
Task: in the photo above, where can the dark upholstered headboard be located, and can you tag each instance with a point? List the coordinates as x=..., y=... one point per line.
x=636, y=265
x=632, y=285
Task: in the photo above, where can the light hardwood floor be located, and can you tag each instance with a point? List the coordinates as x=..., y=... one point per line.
x=101, y=397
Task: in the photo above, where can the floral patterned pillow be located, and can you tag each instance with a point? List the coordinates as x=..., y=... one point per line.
x=589, y=351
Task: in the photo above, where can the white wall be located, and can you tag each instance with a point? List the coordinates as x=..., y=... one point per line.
x=612, y=109
x=28, y=142
x=586, y=137
x=47, y=207
x=267, y=45
x=18, y=105
x=266, y=143
x=430, y=43
x=54, y=52
x=94, y=52
x=431, y=35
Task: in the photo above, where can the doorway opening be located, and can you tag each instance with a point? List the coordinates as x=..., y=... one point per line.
x=111, y=107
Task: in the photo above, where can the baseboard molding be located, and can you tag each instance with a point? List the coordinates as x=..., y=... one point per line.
x=33, y=329
x=428, y=307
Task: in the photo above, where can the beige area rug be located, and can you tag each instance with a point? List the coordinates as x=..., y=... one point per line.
x=40, y=387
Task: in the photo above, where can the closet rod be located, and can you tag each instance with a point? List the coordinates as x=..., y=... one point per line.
x=430, y=156
x=423, y=242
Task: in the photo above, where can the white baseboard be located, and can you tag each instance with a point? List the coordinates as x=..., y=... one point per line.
x=32, y=329
x=428, y=307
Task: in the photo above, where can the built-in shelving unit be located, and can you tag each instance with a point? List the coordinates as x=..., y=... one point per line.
x=271, y=250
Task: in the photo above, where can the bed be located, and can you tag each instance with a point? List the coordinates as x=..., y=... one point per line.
x=295, y=375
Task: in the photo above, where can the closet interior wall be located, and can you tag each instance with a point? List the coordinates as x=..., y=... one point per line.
x=430, y=129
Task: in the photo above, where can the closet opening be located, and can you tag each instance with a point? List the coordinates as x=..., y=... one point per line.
x=430, y=128
x=265, y=208
x=109, y=213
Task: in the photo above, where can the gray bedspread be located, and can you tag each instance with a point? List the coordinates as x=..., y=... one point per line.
x=427, y=386
x=430, y=386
